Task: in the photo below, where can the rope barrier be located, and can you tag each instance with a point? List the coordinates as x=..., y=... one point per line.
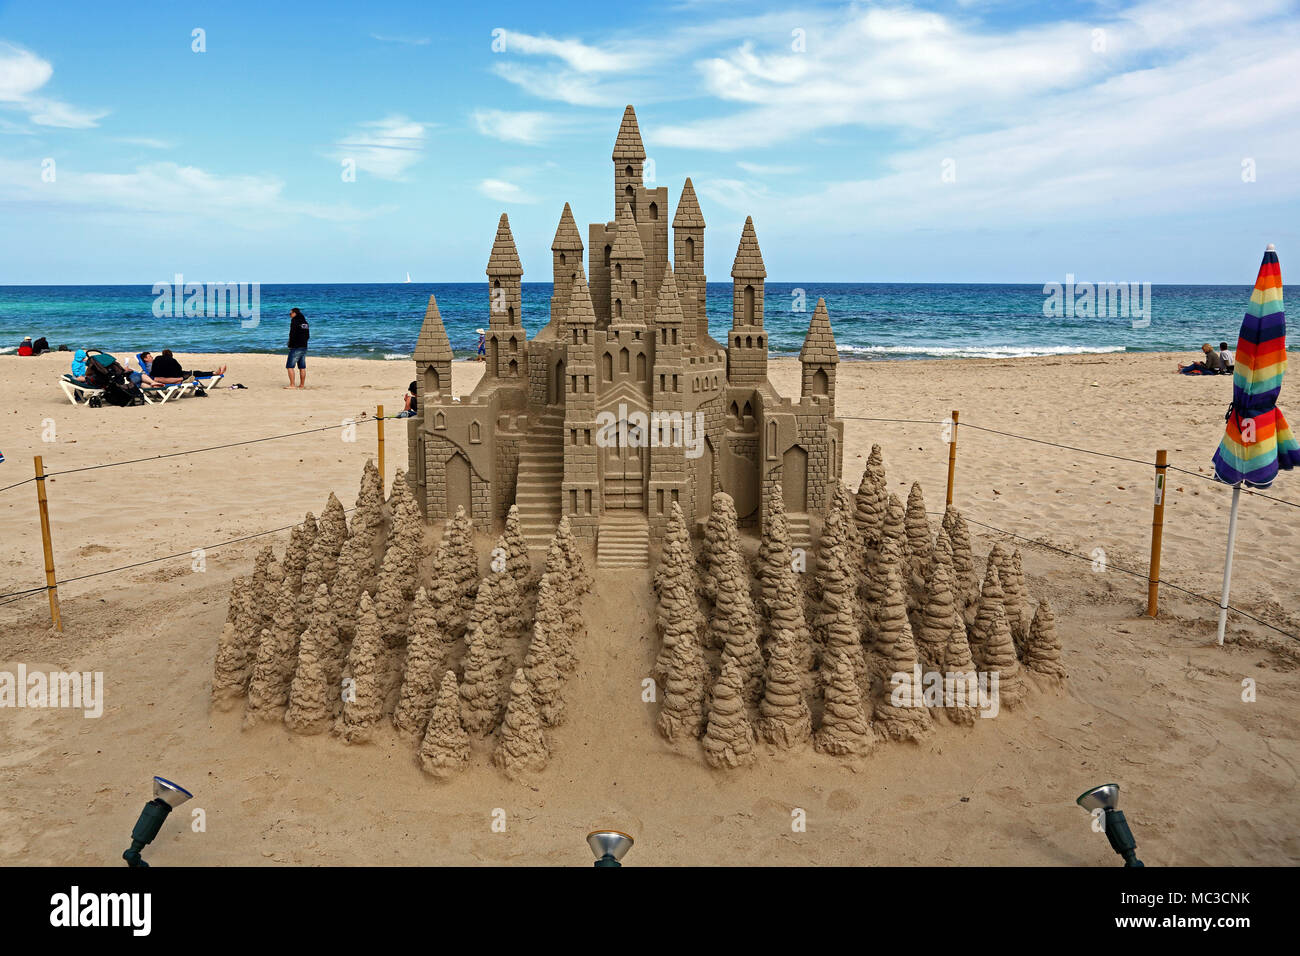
x=16, y=484
x=1136, y=574
x=19, y=595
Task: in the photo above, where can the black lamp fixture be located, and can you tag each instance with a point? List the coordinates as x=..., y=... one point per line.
x=1106, y=798
x=167, y=796
x=609, y=846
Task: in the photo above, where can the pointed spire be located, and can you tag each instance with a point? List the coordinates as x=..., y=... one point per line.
x=819, y=344
x=581, y=311
x=668, y=308
x=749, y=259
x=628, y=145
x=504, y=260
x=567, y=238
x=627, y=243
x=432, y=345
x=688, y=209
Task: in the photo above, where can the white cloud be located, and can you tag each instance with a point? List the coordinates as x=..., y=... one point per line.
x=574, y=53
x=762, y=169
x=517, y=127
x=148, y=142
x=168, y=189
x=386, y=148
x=405, y=41
x=503, y=191
x=22, y=74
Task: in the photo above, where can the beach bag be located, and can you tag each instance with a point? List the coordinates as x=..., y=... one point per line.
x=122, y=394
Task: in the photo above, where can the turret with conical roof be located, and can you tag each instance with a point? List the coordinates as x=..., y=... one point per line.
x=688, y=264
x=629, y=160
x=627, y=287
x=566, y=259
x=506, y=341
x=432, y=356
x=819, y=358
x=747, y=345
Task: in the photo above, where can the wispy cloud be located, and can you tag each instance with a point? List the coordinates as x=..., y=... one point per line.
x=503, y=191
x=385, y=148
x=763, y=169
x=518, y=126
x=148, y=142
x=22, y=75
x=404, y=40
x=168, y=189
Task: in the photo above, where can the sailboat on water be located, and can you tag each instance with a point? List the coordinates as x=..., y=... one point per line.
x=408, y=277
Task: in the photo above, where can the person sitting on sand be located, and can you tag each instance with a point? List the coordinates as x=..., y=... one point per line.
x=1225, y=356
x=1212, y=365
x=412, y=402
x=25, y=346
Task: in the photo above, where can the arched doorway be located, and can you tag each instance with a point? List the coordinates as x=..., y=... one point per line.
x=794, y=479
x=459, y=485
x=625, y=460
x=557, y=386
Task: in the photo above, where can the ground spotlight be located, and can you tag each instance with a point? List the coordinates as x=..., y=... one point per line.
x=167, y=796
x=610, y=846
x=1106, y=798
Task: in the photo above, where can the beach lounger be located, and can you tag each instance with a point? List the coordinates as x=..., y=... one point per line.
x=79, y=393
x=162, y=394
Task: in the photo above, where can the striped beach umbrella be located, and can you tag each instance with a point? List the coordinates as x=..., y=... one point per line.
x=1257, y=441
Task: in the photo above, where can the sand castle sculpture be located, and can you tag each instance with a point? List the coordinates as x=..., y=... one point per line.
x=360, y=623
x=840, y=658
x=623, y=405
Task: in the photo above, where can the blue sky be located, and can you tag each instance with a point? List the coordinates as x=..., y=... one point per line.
x=928, y=142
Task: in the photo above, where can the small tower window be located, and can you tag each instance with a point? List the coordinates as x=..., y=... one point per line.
x=690, y=249
x=624, y=360
x=607, y=251
x=820, y=382
x=628, y=171
x=608, y=362
x=654, y=210
x=749, y=305
x=618, y=270
x=563, y=259
x=634, y=292
x=475, y=432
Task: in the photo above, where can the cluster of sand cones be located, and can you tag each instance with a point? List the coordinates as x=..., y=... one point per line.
x=822, y=657
x=361, y=621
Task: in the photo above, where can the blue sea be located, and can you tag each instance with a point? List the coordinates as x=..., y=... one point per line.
x=871, y=321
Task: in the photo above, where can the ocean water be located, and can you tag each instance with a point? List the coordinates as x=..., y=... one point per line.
x=871, y=321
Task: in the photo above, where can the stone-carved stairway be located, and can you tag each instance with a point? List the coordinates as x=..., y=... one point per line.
x=539, y=487
x=623, y=541
x=800, y=531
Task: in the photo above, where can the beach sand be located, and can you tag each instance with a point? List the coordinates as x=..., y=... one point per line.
x=1150, y=704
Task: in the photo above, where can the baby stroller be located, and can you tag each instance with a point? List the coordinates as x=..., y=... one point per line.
x=105, y=372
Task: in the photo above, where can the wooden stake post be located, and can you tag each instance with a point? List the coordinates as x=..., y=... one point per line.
x=1157, y=532
x=952, y=456
x=379, y=417
x=51, y=582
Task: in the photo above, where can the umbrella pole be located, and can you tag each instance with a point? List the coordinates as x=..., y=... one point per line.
x=1227, y=563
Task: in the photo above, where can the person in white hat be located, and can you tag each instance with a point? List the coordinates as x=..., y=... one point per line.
x=482, y=346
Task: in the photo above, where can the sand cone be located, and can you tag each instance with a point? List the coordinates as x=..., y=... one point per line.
x=391, y=607
x=869, y=505
x=935, y=619
x=237, y=646
x=544, y=678
x=349, y=584
x=960, y=689
x=480, y=687
x=521, y=745
x=784, y=719
x=736, y=626
x=456, y=586
x=721, y=538
x=296, y=552
x=900, y=711
x=277, y=658
x=991, y=595
x=1017, y=597
x=363, y=705
x=426, y=658
x=312, y=692
x=682, y=712
x=578, y=575
x=999, y=655
x=444, y=750
x=845, y=728
x=267, y=578
x=517, y=562
x=920, y=545
x=677, y=615
x=334, y=521
x=368, y=516
x=1043, y=648
x=728, y=738
x=887, y=566
x=551, y=616
x=965, y=583
x=780, y=590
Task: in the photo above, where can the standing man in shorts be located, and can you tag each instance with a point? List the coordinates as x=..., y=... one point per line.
x=299, y=332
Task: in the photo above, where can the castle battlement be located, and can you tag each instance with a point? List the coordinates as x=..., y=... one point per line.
x=557, y=425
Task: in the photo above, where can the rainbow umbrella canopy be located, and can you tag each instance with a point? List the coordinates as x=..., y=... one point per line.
x=1257, y=440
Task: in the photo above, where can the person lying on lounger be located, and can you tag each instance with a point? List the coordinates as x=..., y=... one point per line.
x=165, y=370
x=142, y=377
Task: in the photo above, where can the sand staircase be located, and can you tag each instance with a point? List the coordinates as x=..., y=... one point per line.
x=539, y=488
x=623, y=541
x=800, y=530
